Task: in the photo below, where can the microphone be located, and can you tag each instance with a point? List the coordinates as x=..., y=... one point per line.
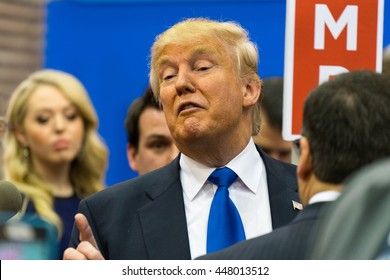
x=10, y=200
x=27, y=238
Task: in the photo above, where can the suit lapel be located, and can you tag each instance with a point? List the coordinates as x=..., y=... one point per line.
x=163, y=221
x=282, y=190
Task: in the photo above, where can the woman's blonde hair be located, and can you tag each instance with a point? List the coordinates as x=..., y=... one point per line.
x=228, y=35
x=87, y=170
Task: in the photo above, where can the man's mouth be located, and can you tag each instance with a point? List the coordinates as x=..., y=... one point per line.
x=188, y=106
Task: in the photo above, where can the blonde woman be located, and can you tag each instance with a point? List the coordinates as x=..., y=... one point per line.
x=53, y=152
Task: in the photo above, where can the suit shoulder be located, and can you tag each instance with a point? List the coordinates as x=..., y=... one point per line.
x=275, y=164
x=152, y=182
x=278, y=167
x=289, y=167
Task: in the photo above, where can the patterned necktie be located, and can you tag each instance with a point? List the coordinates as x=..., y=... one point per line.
x=224, y=226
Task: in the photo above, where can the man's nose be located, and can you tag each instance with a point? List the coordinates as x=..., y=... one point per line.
x=184, y=83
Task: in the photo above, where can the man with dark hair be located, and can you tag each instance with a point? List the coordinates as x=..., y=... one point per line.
x=149, y=142
x=345, y=127
x=270, y=137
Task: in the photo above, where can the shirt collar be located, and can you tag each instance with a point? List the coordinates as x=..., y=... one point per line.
x=324, y=196
x=247, y=165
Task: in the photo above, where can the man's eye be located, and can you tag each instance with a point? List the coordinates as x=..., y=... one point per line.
x=168, y=77
x=158, y=145
x=284, y=153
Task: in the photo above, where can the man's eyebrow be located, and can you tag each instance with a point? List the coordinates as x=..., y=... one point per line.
x=196, y=52
x=163, y=60
x=156, y=136
x=204, y=51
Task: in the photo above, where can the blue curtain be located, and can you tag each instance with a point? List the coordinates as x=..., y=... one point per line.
x=106, y=45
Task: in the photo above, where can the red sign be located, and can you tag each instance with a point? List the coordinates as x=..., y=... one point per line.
x=323, y=39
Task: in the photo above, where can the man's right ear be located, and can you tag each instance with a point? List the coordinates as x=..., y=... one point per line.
x=305, y=164
x=132, y=157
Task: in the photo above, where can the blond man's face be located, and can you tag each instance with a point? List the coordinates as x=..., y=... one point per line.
x=200, y=92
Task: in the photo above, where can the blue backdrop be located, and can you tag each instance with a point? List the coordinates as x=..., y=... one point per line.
x=106, y=45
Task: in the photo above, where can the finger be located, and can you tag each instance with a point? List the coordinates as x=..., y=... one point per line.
x=85, y=230
x=89, y=251
x=73, y=254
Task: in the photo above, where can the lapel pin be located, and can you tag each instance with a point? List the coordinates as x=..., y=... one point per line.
x=297, y=205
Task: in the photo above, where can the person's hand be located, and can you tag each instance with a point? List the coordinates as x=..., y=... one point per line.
x=87, y=249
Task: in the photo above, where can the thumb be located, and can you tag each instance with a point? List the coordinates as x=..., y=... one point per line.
x=85, y=230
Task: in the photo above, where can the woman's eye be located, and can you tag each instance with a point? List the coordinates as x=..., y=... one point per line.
x=72, y=117
x=42, y=120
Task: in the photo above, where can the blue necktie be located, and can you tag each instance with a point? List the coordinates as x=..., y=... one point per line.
x=224, y=226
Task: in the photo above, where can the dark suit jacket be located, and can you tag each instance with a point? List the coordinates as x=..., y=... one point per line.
x=290, y=242
x=144, y=218
x=357, y=225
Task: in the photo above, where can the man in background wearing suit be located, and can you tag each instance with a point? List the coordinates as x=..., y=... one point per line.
x=345, y=127
x=204, y=73
x=270, y=138
x=149, y=142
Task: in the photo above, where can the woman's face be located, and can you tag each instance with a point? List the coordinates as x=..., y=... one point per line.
x=53, y=129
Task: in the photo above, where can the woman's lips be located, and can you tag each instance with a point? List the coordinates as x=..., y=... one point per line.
x=61, y=144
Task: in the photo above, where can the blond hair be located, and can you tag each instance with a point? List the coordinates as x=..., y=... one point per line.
x=228, y=35
x=87, y=170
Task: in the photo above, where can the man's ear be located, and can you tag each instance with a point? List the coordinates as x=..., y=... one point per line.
x=252, y=92
x=132, y=157
x=305, y=163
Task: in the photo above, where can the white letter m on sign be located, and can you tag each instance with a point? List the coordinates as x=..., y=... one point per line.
x=349, y=18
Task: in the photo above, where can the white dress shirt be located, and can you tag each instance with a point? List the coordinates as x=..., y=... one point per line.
x=249, y=193
x=324, y=196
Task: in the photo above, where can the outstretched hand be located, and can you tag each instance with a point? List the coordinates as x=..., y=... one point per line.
x=87, y=249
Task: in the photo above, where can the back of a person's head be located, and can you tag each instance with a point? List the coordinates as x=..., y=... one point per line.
x=134, y=113
x=346, y=122
x=272, y=101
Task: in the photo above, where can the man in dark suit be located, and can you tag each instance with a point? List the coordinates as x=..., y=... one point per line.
x=357, y=226
x=345, y=127
x=204, y=74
